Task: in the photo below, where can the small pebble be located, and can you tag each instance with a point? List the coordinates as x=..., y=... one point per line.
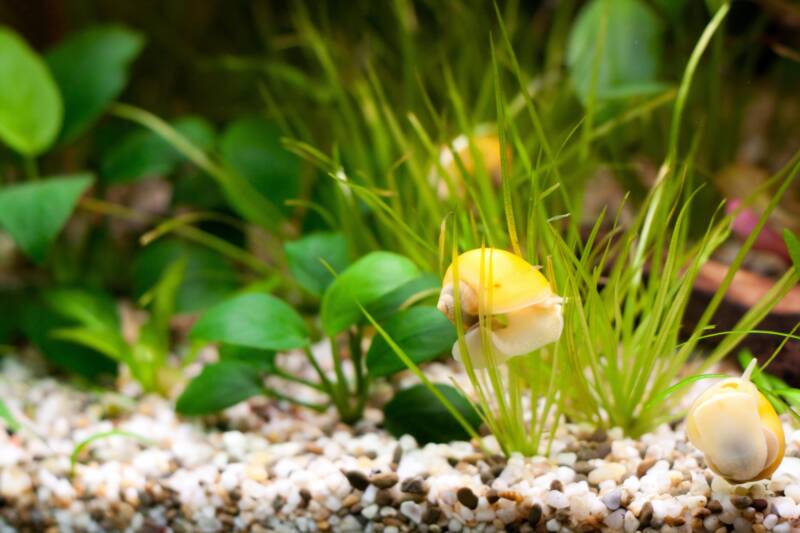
x=535, y=514
x=384, y=480
x=357, y=480
x=414, y=485
x=467, y=498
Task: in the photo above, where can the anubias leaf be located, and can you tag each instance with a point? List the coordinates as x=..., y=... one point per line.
x=91, y=69
x=253, y=320
x=304, y=258
x=30, y=104
x=33, y=213
x=219, y=385
x=423, y=333
x=366, y=280
x=416, y=411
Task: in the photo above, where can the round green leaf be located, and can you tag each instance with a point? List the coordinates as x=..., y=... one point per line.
x=304, y=258
x=91, y=69
x=366, y=280
x=253, y=320
x=219, y=385
x=623, y=39
x=30, y=105
x=416, y=411
x=33, y=213
x=423, y=333
x=262, y=360
x=252, y=148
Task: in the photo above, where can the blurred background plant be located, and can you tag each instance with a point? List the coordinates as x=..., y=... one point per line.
x=259, y=137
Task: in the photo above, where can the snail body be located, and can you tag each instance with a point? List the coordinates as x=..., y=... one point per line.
x=737, y=429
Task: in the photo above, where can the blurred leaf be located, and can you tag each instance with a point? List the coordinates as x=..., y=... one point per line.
x=93, y=309
x=385, y=306
x=30, y=105
x=303, y=258
x=144, y=154
x=423, y=333
x=209, y=277
x=91, y=69
x=793, y=246
x=672, y=8
x=366, y=280
x=6, y=416
x=38, y=321
x=219, y=385
x=627, y=36
x=251, y=148
x=33, y=213
x=417, y=412
x=262, y=360
x=253, y=320
x=155, y=333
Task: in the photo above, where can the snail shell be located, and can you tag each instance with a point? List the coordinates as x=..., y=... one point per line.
x=737, y=430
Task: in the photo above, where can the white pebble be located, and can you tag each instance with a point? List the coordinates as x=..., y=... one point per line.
x=784, y=527
x=793, y=491
x=557, y=499
x=631, y=522
x=412, y=510
x=370, y=511
x=615, y=520
x=553, y=525
x=566, y=459
x=608, y=471
x=770, y=520
x=786, y=507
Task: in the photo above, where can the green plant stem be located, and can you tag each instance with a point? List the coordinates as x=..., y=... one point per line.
x=279, y=372
x=31, y=168
x=341, y=386
x=272, y=393
x=362, y=385
x=323, y=378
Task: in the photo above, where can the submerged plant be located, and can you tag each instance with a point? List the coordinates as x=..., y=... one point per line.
x=505, y=311
x=737, y=429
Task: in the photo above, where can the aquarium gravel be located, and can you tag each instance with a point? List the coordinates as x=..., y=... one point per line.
x=261, y=466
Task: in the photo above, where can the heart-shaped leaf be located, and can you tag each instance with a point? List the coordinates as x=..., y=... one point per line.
x=251, y=147
x=417, y=412
x=91, y=70
x=254, y=320
x=30, y=105
x=366, y=280
x=219, y=385
x=418, y=289
x=262, y=360
x=33, y=213
x=614, y=49
x=423, y=333
x=304, y=258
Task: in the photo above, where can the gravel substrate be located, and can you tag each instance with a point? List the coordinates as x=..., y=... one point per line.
x=264, y=466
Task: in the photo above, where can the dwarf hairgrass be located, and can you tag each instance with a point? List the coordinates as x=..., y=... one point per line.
x=85, y=443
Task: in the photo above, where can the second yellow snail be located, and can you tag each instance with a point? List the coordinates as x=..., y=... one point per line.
x=737, y=430
x=524, y=312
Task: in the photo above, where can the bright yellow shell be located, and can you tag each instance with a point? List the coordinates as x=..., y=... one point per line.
x=737, y=430
x=515, y=283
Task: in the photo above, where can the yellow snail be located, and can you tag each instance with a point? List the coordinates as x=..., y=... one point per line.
x=486, y=144
x=524, y=311
x=737, y=430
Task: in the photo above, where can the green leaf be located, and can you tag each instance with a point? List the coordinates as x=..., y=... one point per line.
x=624, y=38
x=6, y=416
x=33, y=213
x=253, y=320
x=252, y=149
x=30, y=105
x=144, y=154
x=93, y=309
x=417, y=412
x=793, y=246
x=304, y=258
x=366, y=280
x=208, y=280
x=262, y=360
x=219, y=385
x=39, y=321
x=91, y=70
x=423, y=333
x=155, y=333
x=418, y=289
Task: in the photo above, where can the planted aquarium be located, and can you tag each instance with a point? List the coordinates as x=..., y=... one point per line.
x=400, y=266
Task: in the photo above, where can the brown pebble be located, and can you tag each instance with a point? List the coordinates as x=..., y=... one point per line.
x=511, y=495
x=603, y=451
x=397, y=455
x=414, y=485
x=741, y=502
x=702, y=512
x=467, y=498
x=384, y=480
x=758, y=528
x=644, y=467
x=305, y=495
x=646, y=515
x=556, y=485
x=760, y=504
x=350, y=500
x=384, y=498
x=714, y=506
x=314, y=448
x=492, y=496
x=535, y=514
x=582, y=467
x=431, y=515
x=599, y=435
x=357, y=480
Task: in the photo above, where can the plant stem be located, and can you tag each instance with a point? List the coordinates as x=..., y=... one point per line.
x=31, y=169
x=280, y=396
x=296, y=379
x=362, y=385
x=341, y=386
x=323, y=378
